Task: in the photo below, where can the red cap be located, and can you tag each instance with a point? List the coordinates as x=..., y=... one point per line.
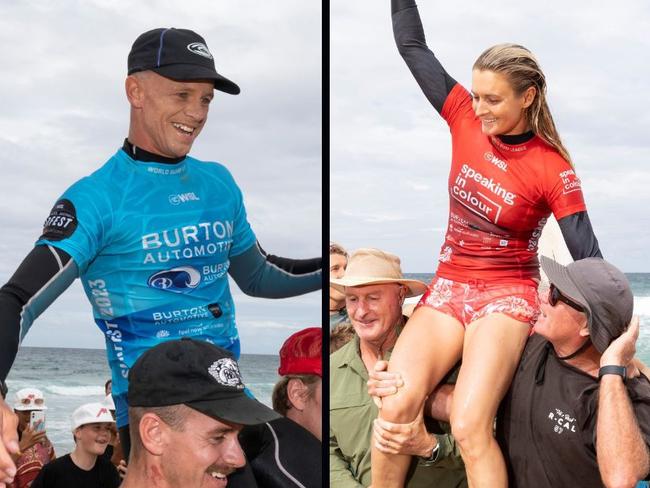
x=301, y=353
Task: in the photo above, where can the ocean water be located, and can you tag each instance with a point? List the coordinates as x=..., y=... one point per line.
x=640, y=284
x=72, y=377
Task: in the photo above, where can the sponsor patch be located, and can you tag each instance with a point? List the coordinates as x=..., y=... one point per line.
x=226, y=372
x=62, y=221
x=215, y=308
x=179, y=280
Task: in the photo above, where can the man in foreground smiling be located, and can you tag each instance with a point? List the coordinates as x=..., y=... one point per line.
x=187, y=406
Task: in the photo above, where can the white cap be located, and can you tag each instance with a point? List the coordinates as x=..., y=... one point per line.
x=29, y=399
x=108, y=402
x=91, y=413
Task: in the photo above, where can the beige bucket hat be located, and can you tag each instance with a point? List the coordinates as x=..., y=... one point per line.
x=369, y=266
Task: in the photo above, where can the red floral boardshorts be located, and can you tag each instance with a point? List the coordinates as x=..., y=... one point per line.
x=467, y=302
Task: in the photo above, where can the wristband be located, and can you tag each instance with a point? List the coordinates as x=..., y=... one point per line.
x=427, y=461
x=619, y=370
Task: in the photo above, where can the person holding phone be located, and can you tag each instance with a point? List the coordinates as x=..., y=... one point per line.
x=36, y=450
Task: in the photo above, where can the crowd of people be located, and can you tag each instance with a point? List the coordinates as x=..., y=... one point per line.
x=190, y=404
x=576, y=399
x=96, y=460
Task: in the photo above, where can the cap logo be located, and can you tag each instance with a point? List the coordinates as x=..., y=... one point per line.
x=226, y=372
x=101, y=411
x=200, y=49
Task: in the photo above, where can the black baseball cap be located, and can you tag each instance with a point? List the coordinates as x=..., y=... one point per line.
x=180, y=54
x=198, y=374
x=603, y=292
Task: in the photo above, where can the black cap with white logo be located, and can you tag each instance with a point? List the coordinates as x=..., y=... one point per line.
x=179, y=54
x=197, y=374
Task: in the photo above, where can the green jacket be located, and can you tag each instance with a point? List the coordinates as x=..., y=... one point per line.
x=352, y=412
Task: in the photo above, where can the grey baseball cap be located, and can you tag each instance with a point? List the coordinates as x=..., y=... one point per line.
x=601, y=289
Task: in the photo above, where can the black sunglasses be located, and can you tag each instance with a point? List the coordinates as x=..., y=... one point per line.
x=555, y=295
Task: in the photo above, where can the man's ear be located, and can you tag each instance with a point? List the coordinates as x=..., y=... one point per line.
x=134, y=91
x=153, y=433
x=297, y=393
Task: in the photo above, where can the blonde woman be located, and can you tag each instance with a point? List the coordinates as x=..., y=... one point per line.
x=509, y=172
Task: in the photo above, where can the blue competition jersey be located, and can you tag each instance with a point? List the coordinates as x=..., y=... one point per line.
x=152, y=242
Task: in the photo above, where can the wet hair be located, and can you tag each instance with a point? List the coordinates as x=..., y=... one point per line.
x=340, y=335
x=173, y=415
x=280, y=396
x=522, y=70
x=338, y=249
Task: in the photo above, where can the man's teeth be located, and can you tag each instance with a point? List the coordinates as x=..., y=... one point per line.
x=184, y=128
x=216, y=474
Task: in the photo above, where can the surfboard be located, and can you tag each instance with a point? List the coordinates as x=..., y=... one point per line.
x=551, y=244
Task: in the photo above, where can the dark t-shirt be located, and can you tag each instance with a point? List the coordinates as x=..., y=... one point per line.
x=63, y=473
x=546, y=425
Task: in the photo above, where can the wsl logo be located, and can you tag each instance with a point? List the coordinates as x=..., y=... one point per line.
x=179, y=280
x=179, y=198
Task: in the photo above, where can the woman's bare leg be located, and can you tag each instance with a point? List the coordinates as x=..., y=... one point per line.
x=428, y=347
x=491, y=353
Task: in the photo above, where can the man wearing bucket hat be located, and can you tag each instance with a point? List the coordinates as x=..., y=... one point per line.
x=84, y=467
x=375, y=290
x=149, y=227
x=187, y=405
x=572, y=416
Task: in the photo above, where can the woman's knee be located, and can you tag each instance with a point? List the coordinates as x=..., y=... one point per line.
x=401, y=408
x=473, y=434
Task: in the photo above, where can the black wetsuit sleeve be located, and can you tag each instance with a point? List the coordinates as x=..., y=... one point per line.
x=281, y=454
x=579, y=236
x=434, y=81
x=42, y=276
x=263, y=275
x=293, y=266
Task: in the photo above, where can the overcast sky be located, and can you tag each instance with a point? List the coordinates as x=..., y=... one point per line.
x=390, y=151
x=64, y=113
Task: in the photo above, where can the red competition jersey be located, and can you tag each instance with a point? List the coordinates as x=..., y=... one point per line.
x=500, y=198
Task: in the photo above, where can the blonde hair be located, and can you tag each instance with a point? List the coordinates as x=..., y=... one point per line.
x=338, y=249
x=521, y=68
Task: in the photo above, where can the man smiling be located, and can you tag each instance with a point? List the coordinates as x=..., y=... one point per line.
x=153, y=233
x=186, y=407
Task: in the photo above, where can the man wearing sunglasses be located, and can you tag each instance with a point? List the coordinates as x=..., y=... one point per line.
x=573, y=415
